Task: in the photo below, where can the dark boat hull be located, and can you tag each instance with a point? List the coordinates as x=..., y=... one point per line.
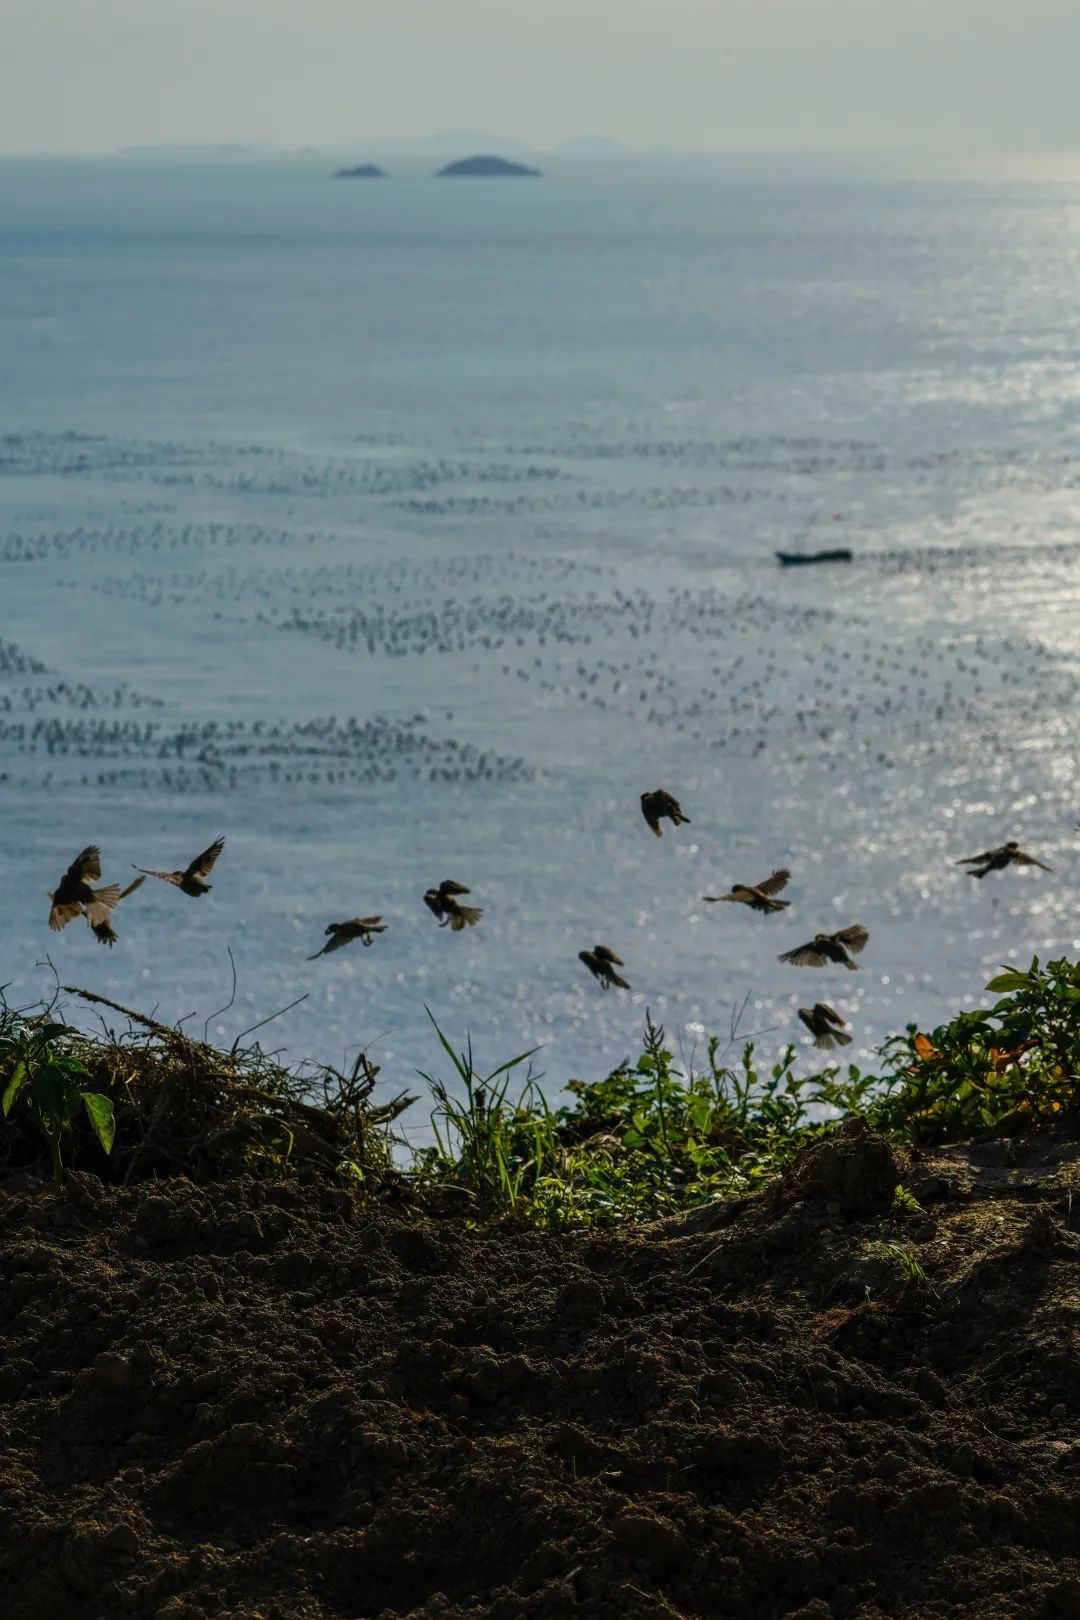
x=799, y=559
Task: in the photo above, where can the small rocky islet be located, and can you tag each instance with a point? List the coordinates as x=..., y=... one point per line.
x=480, y=167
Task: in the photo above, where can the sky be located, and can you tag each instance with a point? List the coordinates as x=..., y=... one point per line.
x=970, y=75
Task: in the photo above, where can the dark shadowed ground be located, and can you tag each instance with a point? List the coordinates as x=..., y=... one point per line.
x=262, y=1400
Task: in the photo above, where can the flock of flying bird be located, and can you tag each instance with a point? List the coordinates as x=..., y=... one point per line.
x=76, y=896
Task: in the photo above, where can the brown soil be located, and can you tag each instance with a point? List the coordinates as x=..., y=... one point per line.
x=264, y=1400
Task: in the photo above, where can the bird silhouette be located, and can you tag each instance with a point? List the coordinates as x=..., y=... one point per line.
x=825, y=1025
x=601, y=963
x=758, y=896
x=103, y=931
x=75, y=896
x=192, y=879
x=829, y=948
x=996, y=860
x=343, y=933
x=444, y=903
x=656, y=805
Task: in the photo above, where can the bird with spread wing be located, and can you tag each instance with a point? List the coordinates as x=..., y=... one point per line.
x=191, y=879
x=996, y=860
x=658, y=804
x=758, y=896
x=829, y=948
x=443, y=902
x=343, y=933
x=826, y=1026
x=601, y=962
x=75, y=895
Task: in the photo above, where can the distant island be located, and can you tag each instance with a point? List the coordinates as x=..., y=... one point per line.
x=485, y=167
x=361, y=171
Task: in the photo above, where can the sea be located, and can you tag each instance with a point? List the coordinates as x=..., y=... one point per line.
x=410, y=529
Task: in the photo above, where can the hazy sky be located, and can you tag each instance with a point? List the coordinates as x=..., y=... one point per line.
x=972, y=74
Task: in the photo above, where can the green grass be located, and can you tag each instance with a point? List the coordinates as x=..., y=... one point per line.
x=654, y=1137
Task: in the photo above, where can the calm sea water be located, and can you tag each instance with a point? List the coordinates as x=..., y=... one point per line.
x=409, y=530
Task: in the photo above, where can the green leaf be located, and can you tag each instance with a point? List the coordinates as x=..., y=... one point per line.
x=71, y=1066
x=49, y=1091
x=47, y=1033
x=99, y=1111
x=15, y=1085
x=1011, y=980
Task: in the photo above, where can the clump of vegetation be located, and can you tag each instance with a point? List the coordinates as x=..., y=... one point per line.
x=1002, y=1068
x=50, y=1085
x=158, y=1102
x=651, y=1138
x=903, y=1259
x=905, y=1206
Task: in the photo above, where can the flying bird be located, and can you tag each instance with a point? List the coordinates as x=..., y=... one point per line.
x=654, y=806
x=103, y=931
x=192, y=879
x=444, y=903
x=825, y=1025
x=601, y=963
x=758, y=896
x=996, y=860
x=343, y=933
x=75, y=896
x=829, y=948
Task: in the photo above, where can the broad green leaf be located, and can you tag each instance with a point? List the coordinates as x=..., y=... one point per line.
x=14, y=1086
x=49, y=1089
x=1009, y=981
x=48, y=1032
x=71, y=1066
x=99, y=1111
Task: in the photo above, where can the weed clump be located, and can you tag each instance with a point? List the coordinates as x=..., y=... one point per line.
x=149, y=1100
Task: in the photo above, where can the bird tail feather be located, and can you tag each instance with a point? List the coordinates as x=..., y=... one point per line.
x=103, y=902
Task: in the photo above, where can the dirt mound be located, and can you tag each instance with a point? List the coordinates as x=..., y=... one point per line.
x=853, y=1167
x=264, y=1401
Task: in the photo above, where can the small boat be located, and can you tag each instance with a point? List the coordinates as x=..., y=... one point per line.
x=798, y=559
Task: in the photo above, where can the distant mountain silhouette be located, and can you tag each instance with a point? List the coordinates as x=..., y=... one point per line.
x=361, y=171
x=486, y=167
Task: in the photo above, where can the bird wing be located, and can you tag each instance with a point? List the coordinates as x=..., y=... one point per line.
x=371, y=925
x=606, y=954
x=433, y=901
x=175, y=878
x=463, y=916
x=1029, y=860
x=86, y=867
x=203, y=864
x=448, y=886
x=778, y=880
x=341, y=934
x=977, y=860
x=97, y=909
x=138, y=883
x=63, y=913
x=650, y=809
x=854, y=938
x=825, y=1011
x=804, y=956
